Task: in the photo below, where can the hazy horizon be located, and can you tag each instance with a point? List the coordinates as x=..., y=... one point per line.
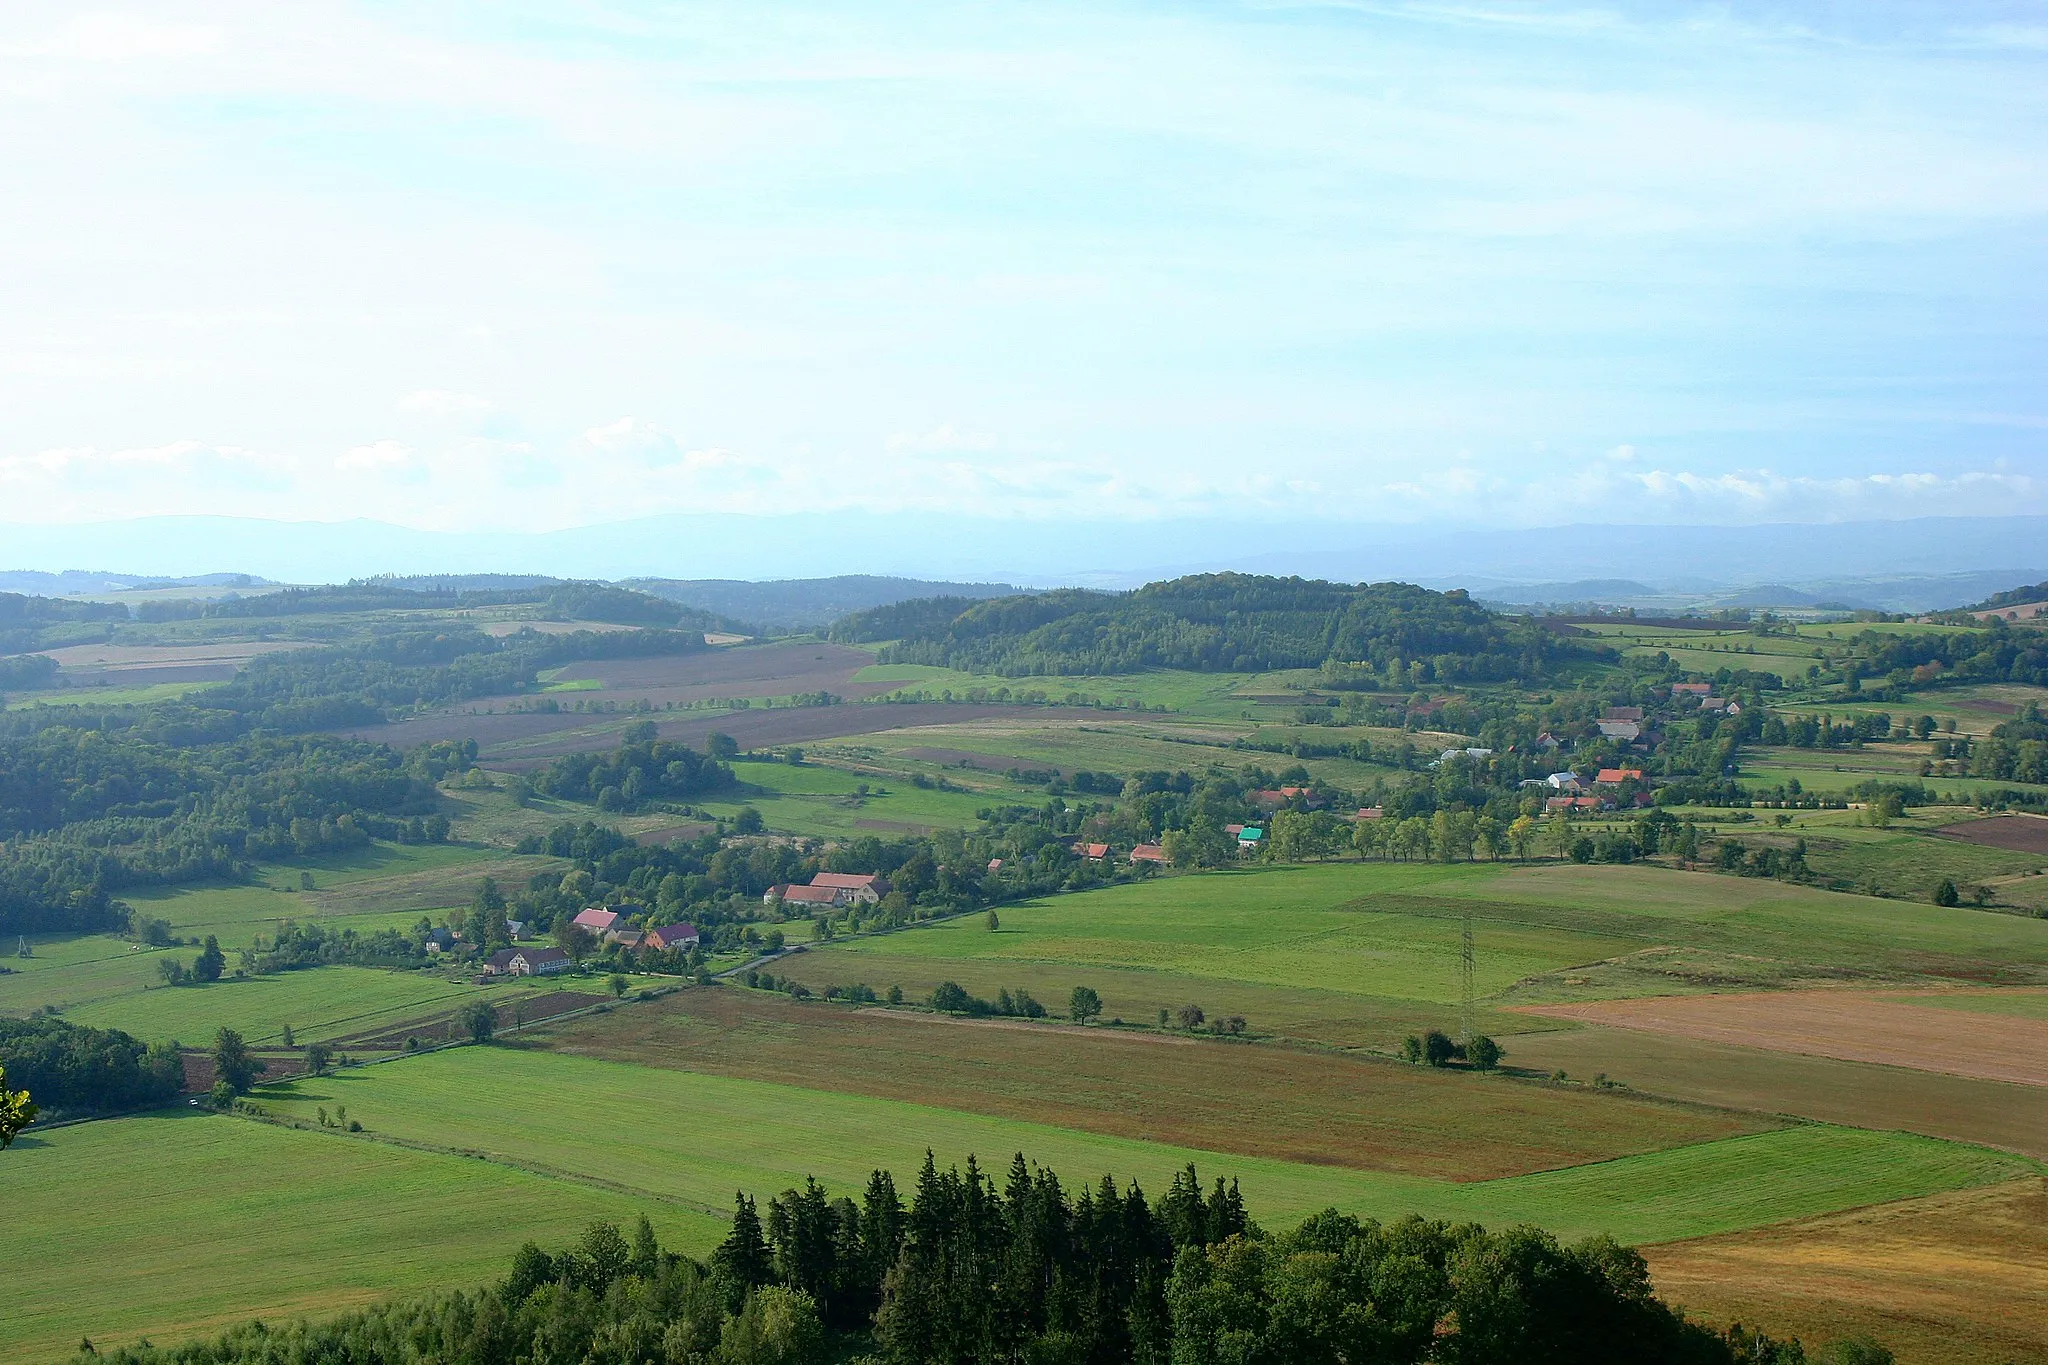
x=1362, y=266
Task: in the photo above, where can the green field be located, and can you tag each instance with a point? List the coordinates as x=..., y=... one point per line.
x=109, y=696
x=223, y=1219
x=820, y=800
x=102, y=980
x=1364, y=937
x=692, y=1139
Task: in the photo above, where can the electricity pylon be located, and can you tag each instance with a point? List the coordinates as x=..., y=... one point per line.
x=1465, y=1028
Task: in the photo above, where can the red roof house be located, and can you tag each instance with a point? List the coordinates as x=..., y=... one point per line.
x=1148, y=853
x=1086, y=850
x=672, y=936
x=1616, y=776
x=598, y=920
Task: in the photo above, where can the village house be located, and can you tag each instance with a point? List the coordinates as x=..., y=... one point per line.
x=807, y=895
x=1093, y=852
x=1369, y=813
x=1614, y=777
x=864, y=887
x=1249, y=837
x=1634, y=713
x=626, y=938
x=1564, y=782
x=515, y=928
x=597, y=920
x=1148, y=853
x=1625, y=730
x=671, y=936
x=1567, y=804
x=1692, y=689
x=528, y=962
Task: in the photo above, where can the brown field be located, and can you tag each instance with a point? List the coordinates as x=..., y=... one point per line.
x=1855, y=1094
x=1255, y=1099
x=501, y=629
x=2021, y=833
x=1852, y=1026
x=513, y=742
x=776, y=670
x=1945, y=1280
x=141, y=665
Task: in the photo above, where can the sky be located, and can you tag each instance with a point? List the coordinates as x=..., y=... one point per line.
x=530, y=266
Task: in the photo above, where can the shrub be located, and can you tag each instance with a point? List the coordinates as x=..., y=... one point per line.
x=1483, y=1053
x=1437, y=1048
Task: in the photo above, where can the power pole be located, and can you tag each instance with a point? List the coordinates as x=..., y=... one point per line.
x=1465, y=1024
x=22, y=949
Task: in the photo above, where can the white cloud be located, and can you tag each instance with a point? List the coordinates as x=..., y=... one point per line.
x=447, y=403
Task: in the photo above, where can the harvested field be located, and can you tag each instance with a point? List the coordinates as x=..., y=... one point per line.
x=136, y=665
x=517, y=741
x=669, y=834
x=2021, y=833
x=777, y=670
x=1855, y=1026
x=1859, y=1094
x=429, y=888
x=1312, y=1107
x=1944, y=1280
x=501, y=629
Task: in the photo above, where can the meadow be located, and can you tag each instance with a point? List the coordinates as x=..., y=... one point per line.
x=1377, y=942
x=221, y=1219
x=667, y=1134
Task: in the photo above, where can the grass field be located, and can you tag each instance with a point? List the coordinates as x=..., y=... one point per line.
x=672, y=1134
x=1362, y=936
x=819, y=800
x=222, y=1219
x=1295, y=1105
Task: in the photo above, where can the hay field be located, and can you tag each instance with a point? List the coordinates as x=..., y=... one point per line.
x=1888, y=1029
x=1951, y=1279
x=1859, y=1094
x=1304, y=1106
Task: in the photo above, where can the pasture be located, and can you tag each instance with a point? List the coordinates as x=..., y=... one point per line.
x=223, y=1219
x=669, y=1135
x=1366, y=943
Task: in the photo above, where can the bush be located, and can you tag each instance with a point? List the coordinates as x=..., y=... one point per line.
x=1438, y=1049
x=1189, y=1017
x=952, y=998
x=1483, y=1054
x=1945, y=893
x=1084, y=1004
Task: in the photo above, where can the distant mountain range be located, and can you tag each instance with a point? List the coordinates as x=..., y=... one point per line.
x=1913, y=565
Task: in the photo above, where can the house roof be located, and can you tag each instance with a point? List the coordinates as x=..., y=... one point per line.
x=1622, y=713
x=595, y=918
x=536, y=956
x=1369, y=813
x=1250, y=834
x=848, y=881
x=1092, y=850
x=502, y=959
x=1616, y=775
x=1148, y=853
x=812, y=895
x=1692, y=689
x=670, y=933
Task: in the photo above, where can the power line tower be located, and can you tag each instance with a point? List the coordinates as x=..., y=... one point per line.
x=1466, y=1029
x=22, y=949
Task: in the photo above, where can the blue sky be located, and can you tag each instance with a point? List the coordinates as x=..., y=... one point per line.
x=533, y=266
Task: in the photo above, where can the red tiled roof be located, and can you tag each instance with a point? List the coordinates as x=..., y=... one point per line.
x=1148, y=853
x=848, y=881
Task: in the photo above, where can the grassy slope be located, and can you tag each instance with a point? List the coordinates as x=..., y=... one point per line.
x=1361, y=935
x=693, y=1139
x=222, y=1219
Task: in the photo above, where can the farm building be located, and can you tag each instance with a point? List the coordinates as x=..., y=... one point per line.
x=1091, y=851
x=1249, y=837
x=528, y=962
x=1148, y=853
x=671, y=936
x=865, y=887
x=1621, y=729
x=807, y=895
x=1614, y=777
x=1692, y=689
x=598, y=920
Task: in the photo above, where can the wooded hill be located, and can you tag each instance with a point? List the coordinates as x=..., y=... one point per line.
x=1219, y=623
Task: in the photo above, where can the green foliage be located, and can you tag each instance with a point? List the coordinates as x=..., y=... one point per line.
x=1945, y=893
x=17, y=1111
x=87, y=1070
x=1217, y=623
x=232, y=1063
x=634, y=774
x=1483, y=1054
x=1084, y=1005
x=479, y=1020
